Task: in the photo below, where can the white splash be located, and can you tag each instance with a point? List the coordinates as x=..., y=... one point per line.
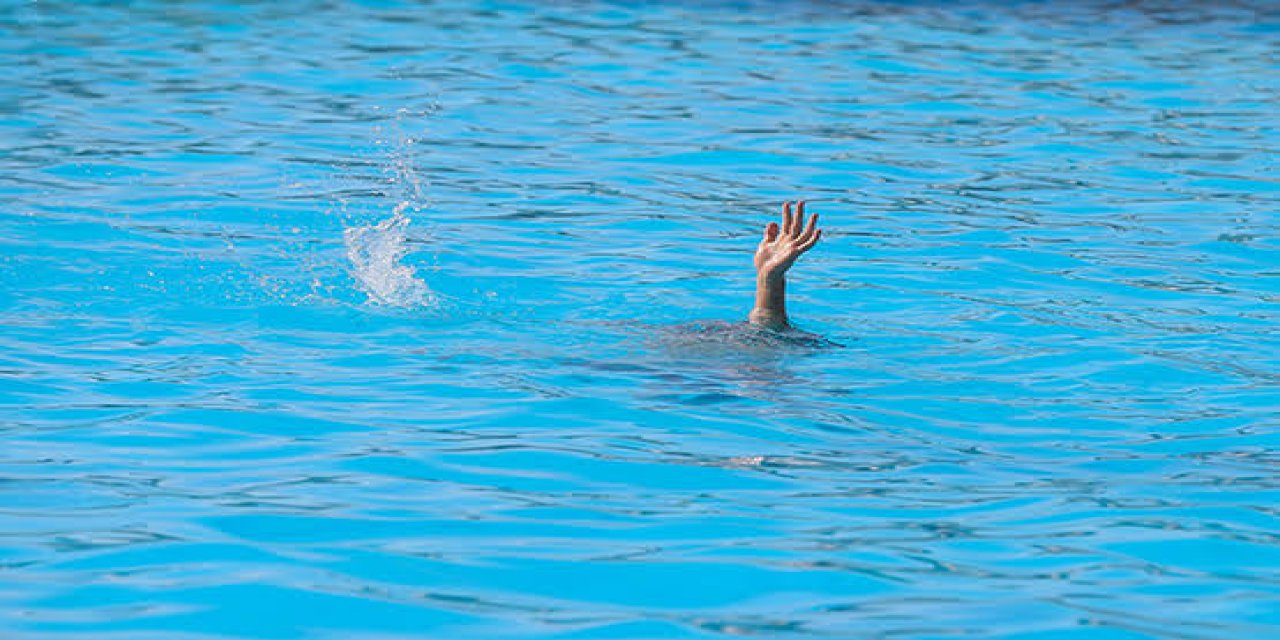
x=375, y=253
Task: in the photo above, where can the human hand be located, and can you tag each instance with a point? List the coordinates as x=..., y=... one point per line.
x=782, y=246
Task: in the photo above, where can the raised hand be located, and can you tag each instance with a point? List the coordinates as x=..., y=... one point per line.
x=781, y=246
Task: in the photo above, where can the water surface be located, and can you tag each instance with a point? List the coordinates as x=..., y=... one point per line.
x=414, y=320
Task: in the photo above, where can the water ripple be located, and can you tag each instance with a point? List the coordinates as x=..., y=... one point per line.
x=384, y=321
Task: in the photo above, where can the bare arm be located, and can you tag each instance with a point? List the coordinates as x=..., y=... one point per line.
x=780, y=249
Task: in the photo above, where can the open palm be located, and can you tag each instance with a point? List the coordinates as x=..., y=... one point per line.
x=782, y=245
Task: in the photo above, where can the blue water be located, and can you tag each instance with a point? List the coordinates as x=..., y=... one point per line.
x=366, y=320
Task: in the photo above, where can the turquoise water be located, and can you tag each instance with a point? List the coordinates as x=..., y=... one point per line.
x=408, y=320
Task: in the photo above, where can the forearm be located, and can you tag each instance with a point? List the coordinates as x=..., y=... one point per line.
x=771, y=301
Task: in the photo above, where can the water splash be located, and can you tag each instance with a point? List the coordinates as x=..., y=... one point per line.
x=376, y=251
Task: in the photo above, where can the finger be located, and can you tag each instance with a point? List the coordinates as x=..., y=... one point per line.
x=771, y=232
x=798, y=220
x=786, y=218
x=810, y=229
x=805, y=246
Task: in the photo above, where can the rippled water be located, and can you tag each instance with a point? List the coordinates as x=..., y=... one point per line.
x=410, y=320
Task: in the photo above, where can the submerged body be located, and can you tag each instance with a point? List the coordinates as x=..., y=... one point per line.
x=744, y=337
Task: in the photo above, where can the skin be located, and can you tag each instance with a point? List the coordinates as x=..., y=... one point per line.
x=781, y=246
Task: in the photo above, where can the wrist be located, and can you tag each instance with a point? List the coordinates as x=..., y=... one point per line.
x=771, y=277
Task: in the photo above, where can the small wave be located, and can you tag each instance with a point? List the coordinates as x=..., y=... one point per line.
x=375, y=253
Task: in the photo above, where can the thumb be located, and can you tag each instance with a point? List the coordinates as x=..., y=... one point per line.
x=771, y=232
